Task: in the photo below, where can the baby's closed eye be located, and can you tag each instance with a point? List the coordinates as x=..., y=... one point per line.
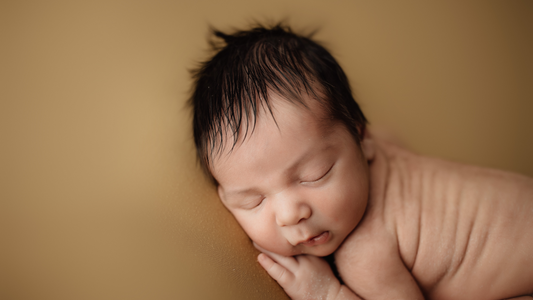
x=318, y=176
x=252, y=202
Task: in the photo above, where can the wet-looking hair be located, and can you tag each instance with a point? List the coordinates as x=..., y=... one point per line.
x=232, y=86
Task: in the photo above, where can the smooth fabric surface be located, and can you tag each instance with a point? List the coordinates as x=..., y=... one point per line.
x=100, y=195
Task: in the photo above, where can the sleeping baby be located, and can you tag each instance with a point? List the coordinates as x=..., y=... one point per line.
x=279, y=132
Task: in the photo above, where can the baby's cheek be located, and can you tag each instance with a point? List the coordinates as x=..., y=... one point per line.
x=263, y=233
x=347, y=210
x=275, y=242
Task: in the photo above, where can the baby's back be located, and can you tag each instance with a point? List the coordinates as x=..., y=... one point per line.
x=461, y=232
x=474, y=227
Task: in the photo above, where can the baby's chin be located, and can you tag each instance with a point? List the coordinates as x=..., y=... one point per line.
x=319, y=252
x=315, y=251
x=286, y=249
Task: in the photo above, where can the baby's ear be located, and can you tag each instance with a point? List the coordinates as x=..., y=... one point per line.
x=220, y=192
x=368, y=146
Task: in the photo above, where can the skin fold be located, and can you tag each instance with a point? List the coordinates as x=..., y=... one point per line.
x=400, y=225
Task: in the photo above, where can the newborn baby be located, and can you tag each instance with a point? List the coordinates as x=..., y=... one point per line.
x=277, y=128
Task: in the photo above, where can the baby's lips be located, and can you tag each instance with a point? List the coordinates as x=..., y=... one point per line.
x=317, y=240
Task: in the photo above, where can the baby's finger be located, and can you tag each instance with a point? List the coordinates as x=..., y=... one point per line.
x=279, y=273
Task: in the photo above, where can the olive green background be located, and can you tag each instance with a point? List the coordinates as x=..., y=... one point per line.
x=100, y=196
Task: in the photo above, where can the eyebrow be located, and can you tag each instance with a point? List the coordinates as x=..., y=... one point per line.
x=291, y=168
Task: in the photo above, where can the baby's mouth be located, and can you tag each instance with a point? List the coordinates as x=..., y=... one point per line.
x=317, y=240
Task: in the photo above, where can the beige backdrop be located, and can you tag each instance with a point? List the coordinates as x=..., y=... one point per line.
x=100, y=197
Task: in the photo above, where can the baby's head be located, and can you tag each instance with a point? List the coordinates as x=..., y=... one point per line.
x=277, y=128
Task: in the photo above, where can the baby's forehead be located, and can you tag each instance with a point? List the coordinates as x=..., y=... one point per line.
x=282, y=112
x=280, y=116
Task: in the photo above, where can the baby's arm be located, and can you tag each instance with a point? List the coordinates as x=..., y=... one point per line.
x=304, y=277
x=370, y=264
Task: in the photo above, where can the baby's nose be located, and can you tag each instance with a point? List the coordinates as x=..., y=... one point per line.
x=292, y=211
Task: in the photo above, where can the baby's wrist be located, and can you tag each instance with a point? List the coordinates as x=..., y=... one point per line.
x=341, y=292
x=334, y=290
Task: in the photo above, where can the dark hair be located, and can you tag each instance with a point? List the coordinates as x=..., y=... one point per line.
x=231, y=86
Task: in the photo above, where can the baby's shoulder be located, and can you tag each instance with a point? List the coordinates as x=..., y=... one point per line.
x=413, y=166
x=369, y=263
x=369, y=242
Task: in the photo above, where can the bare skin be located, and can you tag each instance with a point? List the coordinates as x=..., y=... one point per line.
x=402, y=226
x=453, y=231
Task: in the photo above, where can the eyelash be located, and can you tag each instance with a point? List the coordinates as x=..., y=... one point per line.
x=318, y=179
x=258, y=203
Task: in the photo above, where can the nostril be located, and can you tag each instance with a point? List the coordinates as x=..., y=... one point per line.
x=302, y=219
x=294, y=216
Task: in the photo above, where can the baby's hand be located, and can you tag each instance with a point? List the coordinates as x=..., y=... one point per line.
x=302, y=277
